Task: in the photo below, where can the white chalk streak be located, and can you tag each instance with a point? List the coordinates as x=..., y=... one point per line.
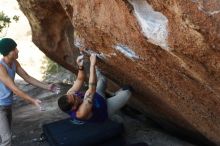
x=127, y=52
x=153, y=24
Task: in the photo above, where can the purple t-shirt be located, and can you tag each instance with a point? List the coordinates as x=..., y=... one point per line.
x=99, y=110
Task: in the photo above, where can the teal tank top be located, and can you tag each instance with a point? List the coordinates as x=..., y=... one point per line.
x=6, y=95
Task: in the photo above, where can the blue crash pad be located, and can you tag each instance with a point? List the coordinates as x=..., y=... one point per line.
x=67, y=133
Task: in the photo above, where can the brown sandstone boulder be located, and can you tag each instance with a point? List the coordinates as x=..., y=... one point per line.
x=169, y=51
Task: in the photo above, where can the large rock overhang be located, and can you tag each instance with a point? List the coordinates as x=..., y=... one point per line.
x=167, y=50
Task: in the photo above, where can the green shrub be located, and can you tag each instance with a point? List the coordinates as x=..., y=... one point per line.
x=5, y=20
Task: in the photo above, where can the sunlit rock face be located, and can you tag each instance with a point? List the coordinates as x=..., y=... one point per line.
x=169, y=51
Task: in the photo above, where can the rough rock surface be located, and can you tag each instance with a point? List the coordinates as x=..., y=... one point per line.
x=167, y=50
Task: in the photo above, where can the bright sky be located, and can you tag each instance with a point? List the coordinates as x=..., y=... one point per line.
x=30, y=56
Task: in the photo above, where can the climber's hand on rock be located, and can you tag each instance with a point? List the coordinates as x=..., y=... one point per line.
x=93, y=59
x=79, y=60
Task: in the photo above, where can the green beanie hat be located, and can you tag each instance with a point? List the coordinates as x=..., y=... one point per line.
x=7, y=45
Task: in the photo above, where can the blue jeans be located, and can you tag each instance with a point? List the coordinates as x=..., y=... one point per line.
x=5, y=125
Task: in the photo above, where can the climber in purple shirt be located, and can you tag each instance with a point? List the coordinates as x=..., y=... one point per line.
x=91, y=106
